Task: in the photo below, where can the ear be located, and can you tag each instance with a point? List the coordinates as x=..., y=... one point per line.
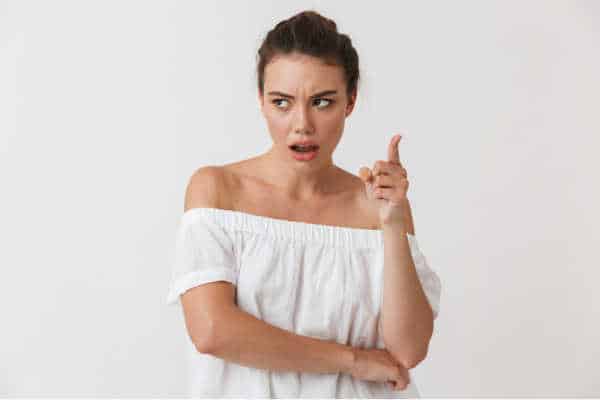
x=351, y=103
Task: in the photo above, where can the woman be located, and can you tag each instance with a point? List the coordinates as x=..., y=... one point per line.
x=286, y=264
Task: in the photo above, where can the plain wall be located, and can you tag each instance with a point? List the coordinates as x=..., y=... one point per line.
x=107, y=108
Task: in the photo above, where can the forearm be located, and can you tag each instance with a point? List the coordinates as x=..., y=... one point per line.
x=407, y=316
x=241, y=338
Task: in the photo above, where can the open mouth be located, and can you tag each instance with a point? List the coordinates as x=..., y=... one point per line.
x=304, y=149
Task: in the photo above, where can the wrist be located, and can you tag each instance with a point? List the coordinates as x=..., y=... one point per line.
x=348, y=359
x=393, y=226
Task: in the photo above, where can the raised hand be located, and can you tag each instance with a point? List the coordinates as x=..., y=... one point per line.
x=387, y=185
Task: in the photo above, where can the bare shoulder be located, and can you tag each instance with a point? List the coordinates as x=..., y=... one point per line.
x=358, y=201
x=370, y=209
x=205, y=188
x=352, y=184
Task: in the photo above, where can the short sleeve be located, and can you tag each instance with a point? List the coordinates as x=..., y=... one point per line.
x=430, y=281
x=204, y=252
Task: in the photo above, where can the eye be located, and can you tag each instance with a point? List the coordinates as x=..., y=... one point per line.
x=328, y=100
x=276, y=102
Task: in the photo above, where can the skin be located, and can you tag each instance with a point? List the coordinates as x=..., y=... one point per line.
x=277, y=185
x=316, y=191
x=320, y=119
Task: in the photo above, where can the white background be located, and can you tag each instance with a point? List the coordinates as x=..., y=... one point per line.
x=107, y=107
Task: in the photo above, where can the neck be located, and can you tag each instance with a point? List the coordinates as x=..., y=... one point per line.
x=299, y=180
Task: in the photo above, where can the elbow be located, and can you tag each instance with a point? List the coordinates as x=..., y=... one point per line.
x=407, y=351
x=410, y=360
x=413, y=361
x=213, y=335
x=202, y=345
x=204, y=341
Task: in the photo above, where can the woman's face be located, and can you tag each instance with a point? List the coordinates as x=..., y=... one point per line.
x=304, y=99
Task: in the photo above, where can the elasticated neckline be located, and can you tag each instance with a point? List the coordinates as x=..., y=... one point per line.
x=295, y=230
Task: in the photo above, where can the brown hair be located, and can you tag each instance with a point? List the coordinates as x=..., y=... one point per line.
x=308, y=32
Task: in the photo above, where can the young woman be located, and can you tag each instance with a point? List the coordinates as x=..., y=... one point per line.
x=297, y=278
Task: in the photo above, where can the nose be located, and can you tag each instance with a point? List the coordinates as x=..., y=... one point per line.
x=302, y=120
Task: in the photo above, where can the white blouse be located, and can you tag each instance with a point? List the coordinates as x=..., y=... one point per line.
x=321, y=281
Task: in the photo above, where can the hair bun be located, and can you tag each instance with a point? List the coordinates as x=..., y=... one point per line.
x=310, y=33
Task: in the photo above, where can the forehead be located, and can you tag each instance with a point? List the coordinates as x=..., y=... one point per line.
x=292, y=72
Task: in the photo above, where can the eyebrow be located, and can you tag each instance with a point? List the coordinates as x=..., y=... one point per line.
x=323, y=93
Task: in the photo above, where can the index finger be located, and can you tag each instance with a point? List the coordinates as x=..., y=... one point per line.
x=393, y=152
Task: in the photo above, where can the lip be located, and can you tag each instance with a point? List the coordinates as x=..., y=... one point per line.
x=304, y=143
x=305, y=156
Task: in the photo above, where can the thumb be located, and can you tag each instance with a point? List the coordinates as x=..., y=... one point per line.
x=365, y=174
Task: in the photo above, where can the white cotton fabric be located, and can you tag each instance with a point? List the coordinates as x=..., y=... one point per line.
x=316, y=280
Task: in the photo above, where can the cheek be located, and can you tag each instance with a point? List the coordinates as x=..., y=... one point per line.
x=335, y=118
x=279, y=129
x=333, y=124
x=276, y=121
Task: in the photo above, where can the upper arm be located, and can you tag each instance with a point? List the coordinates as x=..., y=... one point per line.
x=204, y=303
x=204, y=188
x=202, y=307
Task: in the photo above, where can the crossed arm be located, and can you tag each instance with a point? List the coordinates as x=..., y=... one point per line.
x=407, y=318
